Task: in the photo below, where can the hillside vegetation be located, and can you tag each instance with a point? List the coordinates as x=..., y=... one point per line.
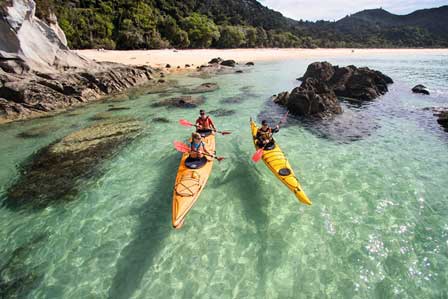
x=153, y=24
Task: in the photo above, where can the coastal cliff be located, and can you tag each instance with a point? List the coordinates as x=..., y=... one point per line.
x=39, y=74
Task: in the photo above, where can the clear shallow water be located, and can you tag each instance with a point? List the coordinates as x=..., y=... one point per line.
x=378, y=227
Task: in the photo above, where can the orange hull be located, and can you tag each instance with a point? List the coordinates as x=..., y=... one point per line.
x=189, y=184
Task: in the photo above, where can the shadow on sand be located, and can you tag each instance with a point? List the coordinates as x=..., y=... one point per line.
x=154, y=225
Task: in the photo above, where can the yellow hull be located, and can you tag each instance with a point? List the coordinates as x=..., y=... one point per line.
x=189, y=184
x=275, y=160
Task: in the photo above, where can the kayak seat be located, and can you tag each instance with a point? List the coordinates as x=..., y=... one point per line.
x=284, y=172
x=204, y=133
x=195, y=163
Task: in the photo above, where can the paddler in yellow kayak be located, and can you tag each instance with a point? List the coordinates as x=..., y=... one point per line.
x=264, y=135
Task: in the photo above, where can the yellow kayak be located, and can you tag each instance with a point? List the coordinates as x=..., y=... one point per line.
x=276, y=161
x=190, y=181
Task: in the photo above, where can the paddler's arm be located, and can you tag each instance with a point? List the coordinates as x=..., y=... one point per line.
x=276, y=129
x=212, y=124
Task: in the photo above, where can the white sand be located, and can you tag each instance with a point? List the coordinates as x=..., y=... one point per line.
x=159, y=58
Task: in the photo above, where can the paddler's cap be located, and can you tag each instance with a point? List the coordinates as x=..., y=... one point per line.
x=264, y=122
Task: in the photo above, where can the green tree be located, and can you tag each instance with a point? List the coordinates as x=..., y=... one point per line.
x=231, y=37
x=201, y=30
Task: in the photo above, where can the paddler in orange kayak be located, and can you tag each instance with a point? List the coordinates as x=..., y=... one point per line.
x=204, y=124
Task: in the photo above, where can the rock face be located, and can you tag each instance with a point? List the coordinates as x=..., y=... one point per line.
x=323, y=83
x=55, y=171
x=27, y=42
x=181, y=102
x=39, y=74
x=420, y=89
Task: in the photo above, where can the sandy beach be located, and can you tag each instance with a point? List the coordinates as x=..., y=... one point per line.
x=159, y=58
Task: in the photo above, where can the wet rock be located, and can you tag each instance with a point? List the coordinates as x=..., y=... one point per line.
x=215, y=60
x=420, y=89
x=37, y=132
x=322, y=83
x=163, y=120
x=222, y=112
x=181, y=102
x=250, y=63
x=118, y=108
x=187, y=65
x=238, y=71
x=442, y=117
x=204, y=87
x=102, y=116
x=168, y=66
x=54, y=173
x=161, y=81
x=230, y=63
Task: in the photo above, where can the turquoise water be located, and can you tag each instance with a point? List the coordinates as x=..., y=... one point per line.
x=377, y=176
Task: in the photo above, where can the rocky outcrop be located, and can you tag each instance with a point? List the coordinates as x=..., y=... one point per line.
x=38, y=72
x=420, y=89
x=216, y=60
x=36, y=94
x=323, y=83
x=181, y=102
x=55, y=171
x=442, y=117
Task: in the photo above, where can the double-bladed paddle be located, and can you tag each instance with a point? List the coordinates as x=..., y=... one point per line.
x=186, y=123
x=259, y=153
x=183, y=148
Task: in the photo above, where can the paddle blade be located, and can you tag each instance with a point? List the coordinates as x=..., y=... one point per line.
x=181, y=147
x=257, y=156
x=220, y=159
x=284, y=118
x=225, y=133
x=185, y=123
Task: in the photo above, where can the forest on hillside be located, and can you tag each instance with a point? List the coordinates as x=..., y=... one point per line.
x=155, y=24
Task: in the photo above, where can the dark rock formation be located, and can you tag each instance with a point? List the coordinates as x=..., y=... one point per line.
x=250, y=63
x=230, y=63
x=215, y=60
x=323, y=83
x=442, y=117
x=163, y=120
x=54, y=172
x=222, y=112
x=167, y=66
x=420, y=89
x=181, y=102
x=204, y=87
x=118, y=108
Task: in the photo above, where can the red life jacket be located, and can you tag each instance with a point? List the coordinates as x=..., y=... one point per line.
x=205, y=123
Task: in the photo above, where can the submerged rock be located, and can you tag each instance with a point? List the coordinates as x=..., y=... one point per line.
x=323, y=83
x=118, y=108
x=420, y=89
x=222, y=112
x=163, y=120
x=36, y=132
x=181, y=102
x=102, y=116
x=56, y=170
x=204, y=87
x=442, y=117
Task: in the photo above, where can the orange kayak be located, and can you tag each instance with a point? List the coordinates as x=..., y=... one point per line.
x=190, y=181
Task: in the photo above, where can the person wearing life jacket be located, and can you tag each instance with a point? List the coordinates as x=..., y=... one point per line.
x=264, y=135
x=197, y=147
x=204, y=123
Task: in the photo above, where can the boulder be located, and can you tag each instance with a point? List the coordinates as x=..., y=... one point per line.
x=420, y=89
x=181, y=102
x=250, y=63
x=442, y=117
x=323, y=83
x=215, y=60
x=55, y=171
x=230, y=63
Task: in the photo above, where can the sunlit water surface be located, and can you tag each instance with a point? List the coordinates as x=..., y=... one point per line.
x=377, y=176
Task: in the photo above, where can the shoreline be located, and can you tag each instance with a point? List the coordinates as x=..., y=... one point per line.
x=178, y=59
